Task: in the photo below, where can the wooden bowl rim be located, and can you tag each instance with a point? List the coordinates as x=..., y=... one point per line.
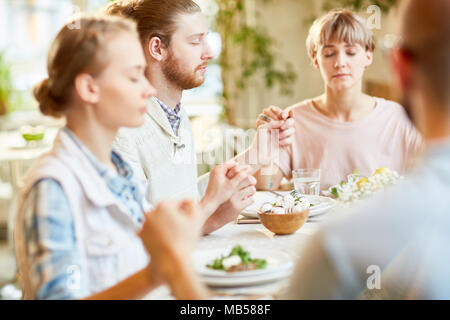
x=282, y=214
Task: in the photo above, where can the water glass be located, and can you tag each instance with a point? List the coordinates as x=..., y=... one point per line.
x=307, y=181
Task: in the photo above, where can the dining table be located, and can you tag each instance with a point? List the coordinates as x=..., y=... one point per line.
x=14, y=149
x=250, y=234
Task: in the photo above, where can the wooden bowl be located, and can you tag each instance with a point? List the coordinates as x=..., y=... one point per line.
x=286, y=223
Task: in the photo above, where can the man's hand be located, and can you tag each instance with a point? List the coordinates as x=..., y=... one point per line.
x=273, y=113
x=229, y=210
x=225, y=180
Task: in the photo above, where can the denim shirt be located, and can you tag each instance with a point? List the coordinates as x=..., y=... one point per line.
x=49, y=226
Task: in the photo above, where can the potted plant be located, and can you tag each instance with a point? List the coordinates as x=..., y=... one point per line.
x=248, y=53
x=5, y=84
x=357, y=5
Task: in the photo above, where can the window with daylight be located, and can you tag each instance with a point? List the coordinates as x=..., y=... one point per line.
x=27, y=28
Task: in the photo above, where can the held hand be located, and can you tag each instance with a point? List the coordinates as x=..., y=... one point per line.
x=230, y=210
x=171, y=231
x=287, y=132
x=237, y=201
x=241, y=200
x=265, y=147
x=273, y=113
x=169, y=234
x=225, y=180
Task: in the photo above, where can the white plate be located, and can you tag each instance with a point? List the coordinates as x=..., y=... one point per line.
x=321, y=204
x=247, y=281
x=277, y=261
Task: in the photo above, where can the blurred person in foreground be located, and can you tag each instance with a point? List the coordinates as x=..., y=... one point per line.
x=80, y=208
x=403, y=231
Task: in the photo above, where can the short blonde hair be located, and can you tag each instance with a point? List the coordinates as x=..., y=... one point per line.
x=343, y=24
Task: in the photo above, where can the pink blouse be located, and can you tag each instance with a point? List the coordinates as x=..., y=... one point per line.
x=384, y=138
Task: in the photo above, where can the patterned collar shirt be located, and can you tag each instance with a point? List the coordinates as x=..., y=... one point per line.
x=172, y=115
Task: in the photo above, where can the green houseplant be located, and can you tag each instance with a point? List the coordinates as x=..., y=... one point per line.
x=357, y=5
x=5, y=84
x=248, y=52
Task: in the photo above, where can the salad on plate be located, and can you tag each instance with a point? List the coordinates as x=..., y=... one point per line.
x=237, y=260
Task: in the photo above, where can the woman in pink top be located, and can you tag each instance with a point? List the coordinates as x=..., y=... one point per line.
x=342, y=129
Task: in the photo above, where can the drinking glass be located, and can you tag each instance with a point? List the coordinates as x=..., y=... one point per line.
x=307, y=181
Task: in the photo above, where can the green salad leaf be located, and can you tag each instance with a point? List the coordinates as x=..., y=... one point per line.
x=243, y=254
x=334, y=192
x=217, y=264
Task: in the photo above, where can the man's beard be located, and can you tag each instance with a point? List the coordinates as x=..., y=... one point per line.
x=183, y=79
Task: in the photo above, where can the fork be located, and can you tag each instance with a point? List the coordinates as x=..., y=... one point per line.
x=295, y=194
x=276, y=193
